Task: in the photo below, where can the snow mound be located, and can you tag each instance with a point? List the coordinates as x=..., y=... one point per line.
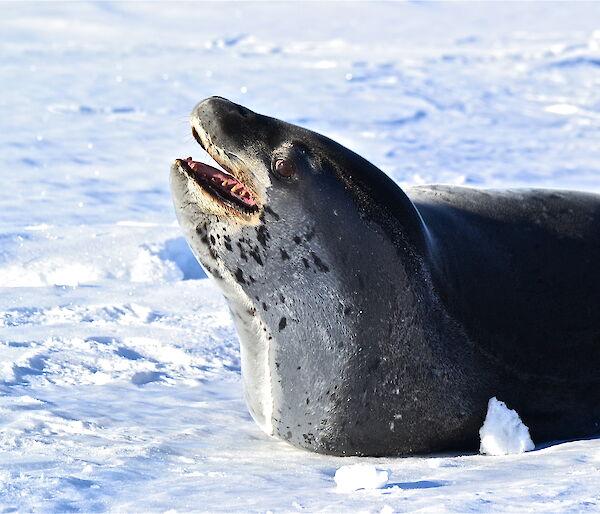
x=360, y=476
x=149, y=267
x=503, y=432
x=44, y=255
x=168, y=261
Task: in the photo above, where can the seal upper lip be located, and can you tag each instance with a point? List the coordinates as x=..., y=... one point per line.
x=222, y=185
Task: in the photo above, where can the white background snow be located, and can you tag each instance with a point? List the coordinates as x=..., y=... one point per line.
x=119, y=366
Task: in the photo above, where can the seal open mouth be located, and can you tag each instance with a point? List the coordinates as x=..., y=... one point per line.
x=221, y=185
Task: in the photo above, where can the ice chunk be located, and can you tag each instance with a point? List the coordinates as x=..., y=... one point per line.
x=503, y=432
x=360, y=476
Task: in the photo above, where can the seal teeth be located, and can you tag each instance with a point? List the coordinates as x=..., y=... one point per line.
x=231, y=189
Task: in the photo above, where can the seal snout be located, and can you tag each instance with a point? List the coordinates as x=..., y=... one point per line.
x=217, y=107
x=229, y=190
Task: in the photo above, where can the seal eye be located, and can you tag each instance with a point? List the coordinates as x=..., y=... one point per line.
x=284, y=168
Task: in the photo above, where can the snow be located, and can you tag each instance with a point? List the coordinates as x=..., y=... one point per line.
x=120, y=385
x=360, y=476
x=503, y=432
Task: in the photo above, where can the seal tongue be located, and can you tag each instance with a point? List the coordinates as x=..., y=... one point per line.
x=225, y=183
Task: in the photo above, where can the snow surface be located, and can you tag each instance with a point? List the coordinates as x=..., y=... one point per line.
x=503, y=432
x=360, y=476
x=119, y=366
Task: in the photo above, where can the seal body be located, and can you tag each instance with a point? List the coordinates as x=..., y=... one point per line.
x=375, y=321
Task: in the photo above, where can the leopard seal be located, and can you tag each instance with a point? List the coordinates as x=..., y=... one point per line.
x=377, y=321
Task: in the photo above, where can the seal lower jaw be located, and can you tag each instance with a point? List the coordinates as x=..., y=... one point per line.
x=221, y=191
x=220, y=187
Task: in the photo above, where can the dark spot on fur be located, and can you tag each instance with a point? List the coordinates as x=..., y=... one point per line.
x=297, y=240
x=242, y=252
x=282, y=323
x=252, y=311
x=272, y=213
x=309, y=438
x=262, y=234
x=319, y=263
x=307, y=402
x=306, y=264
x=212, y=239
x=347, y=310
x=310, y=234
x=281, y=298
x=239, y=276
x=252, y=279
x=284, y=255
x=299, y=367
x=228, y=243
x=264, y=306
x=256, y=256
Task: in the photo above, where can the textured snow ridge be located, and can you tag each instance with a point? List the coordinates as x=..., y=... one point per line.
x=360, y=476
x=68, y=256
x=503, y=432
x=120, y=381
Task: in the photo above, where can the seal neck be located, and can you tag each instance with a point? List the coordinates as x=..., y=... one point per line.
x=382, y=201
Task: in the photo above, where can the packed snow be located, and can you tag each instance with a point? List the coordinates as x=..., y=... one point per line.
x=119, y=365
x=360, y=476
x=503, y=432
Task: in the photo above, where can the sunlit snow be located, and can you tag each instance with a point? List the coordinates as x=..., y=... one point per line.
x=119, y=365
